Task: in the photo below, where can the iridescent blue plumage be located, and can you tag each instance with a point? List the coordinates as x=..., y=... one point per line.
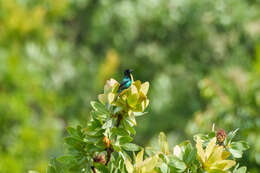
x=126, y=82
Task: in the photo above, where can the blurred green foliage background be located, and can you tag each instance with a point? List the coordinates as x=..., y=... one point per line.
x=202, y=59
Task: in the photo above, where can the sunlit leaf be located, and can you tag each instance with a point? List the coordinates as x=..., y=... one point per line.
x=240, y=170
x=200, y=150
x=210, y=147
x=177, y=151
x=149, y=164
x=132, y=100
x=108, y=124
x=129, y=166
x=139, y=158
x=145, y=87
x=163, y=143
x=132, y=117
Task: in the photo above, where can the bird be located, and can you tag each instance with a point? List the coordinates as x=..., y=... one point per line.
x=126, y=82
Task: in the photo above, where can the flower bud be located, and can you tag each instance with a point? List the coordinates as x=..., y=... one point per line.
x=221, y=136
x=106, y=141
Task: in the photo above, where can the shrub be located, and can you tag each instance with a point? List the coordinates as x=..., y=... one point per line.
x=105, y=145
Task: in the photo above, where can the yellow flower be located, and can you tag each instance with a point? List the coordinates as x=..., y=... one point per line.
x=213, y=157
x=142, y=166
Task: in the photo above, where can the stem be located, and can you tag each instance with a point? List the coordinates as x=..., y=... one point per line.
x=93, y=169
x=119, y=118
x=109, y=151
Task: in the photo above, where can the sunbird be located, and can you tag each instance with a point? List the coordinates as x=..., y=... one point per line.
x=126, y=82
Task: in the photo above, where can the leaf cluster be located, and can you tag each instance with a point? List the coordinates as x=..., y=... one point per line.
x=105, y=144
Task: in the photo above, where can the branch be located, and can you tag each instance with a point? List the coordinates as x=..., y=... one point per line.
x=93, y=169
x=109, y=151
x=119, y=118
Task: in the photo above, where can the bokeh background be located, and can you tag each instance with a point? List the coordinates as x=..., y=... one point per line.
x=202, y=59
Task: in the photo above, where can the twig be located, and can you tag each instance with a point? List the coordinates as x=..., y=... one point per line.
x=93, y=169
x=109, y=151
x=119, y=118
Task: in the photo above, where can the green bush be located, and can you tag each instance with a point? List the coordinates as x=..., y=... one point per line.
x=105, y=145
x=232, y=102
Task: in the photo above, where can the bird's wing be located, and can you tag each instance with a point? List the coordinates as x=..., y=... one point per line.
x=122, y=84
x=125, y=79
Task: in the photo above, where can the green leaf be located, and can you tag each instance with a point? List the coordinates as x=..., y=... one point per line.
x=51, y=169
x=90, y=148
x=149, y=163
x=54, y=167
x=177, y=164
x=66, y=159
x=131, y=117
x=163, y=157
x=150, y=151
x=217, y=171
x=211, y=135
x=76, y=143
x=138, y=114
x=101, y=167
x=93, y=139
x=237, y=148
x=93, y=124
x=99, y=107
x=210, y=147
x=98, y=116
x=100, y=144
x=164, y=168
x=145, y=88
x=75, y=168
x=236, y=153
x=163, y=143
x=194, y=169
x=96, y=133
x=240, y=170
x=125, y=139
x=119, y=132
x=129, y=166
x=116, y=147
x=231, y=135
x=73, y=132
x=131, y=147
x=189, y=154
x=132, y=100
x=107, y=124
x=128, y=127
x=240, y=145
x=182, y=150
x=117, y=109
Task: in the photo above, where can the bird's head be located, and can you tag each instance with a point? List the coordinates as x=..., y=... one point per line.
x=127, y=72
